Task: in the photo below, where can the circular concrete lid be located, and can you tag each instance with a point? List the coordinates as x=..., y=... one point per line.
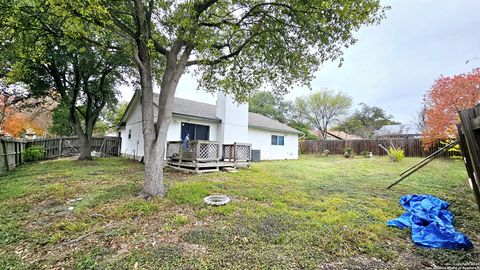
x=216, y=200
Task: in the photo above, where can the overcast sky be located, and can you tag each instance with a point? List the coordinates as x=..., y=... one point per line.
x=393, y=64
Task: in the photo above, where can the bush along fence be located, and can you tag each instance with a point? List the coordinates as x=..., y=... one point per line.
x=14, y=152
x=412, y=147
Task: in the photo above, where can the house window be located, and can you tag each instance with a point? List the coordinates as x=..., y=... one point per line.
x=278, y=140
x=129, y=133
x=195, y=132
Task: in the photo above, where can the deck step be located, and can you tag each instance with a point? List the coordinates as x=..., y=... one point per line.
x=201, y=167
x=230, y=169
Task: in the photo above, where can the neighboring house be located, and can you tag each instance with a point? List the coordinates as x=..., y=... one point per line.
x=226, y=122
x=398, y=131
x=30, y=134
x=337, y=136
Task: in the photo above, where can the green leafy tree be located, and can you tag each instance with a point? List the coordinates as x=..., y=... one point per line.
x=235, y=46
x=323, y=109
x=50, y=60
x=270, y=105
x=61, y=124
x=365, y=121
x=304, y=128
x=110, y=118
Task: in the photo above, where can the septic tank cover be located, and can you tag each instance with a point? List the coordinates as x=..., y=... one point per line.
x=216, y=200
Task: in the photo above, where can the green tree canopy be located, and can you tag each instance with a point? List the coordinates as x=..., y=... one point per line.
x=323, y=108
x=270, y=105
x=365, y=121
x=40, y=52
x=61, y=124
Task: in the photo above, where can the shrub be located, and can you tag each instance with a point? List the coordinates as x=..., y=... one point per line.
x=455, y=152
x=396, y=154
x=365, y=154
x=325, y=153
x=34, y=153
x=348, y=152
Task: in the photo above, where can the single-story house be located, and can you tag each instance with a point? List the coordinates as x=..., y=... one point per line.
x=227, y=122
x=398, y=131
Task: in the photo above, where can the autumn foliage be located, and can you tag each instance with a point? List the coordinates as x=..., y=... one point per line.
x=447, y=96
x=18, y=123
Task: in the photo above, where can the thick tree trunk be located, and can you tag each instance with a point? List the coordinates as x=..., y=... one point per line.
x=154, y=148
x=85, y=137
x=85, y=147
x=155, y=138
x=154, y=161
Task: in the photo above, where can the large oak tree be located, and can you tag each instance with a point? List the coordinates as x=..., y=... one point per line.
x=47, y=53
x=234, y=46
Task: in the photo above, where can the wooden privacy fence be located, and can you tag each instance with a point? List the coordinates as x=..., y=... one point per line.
x=469, y=135
x=11, y=154
x=11, y=149
x=412, y=146
x=69, y=146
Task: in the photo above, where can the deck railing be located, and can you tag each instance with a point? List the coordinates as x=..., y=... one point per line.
x=237, y=152
x=196, y=150
x=203, y=151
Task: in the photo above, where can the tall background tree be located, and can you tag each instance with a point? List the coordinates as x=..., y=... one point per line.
x=236, y=47
x=419, y=119
x=365, y=121
x=270, y=105
x=107, y=122
x=40, y=52
x=323, y=109
x=276, y=107
x=446, y=97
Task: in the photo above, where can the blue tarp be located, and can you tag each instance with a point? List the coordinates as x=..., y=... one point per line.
x=431, y=223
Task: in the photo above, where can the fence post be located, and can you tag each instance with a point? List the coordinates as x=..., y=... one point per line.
x=45, y=148
x=20, y=152
x=5, y=156
x=16, y=153
x=60, y=144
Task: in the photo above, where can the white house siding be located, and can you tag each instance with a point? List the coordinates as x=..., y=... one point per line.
x=262, y=140
x=233, y=128
x=234, y=125
x=134, y=146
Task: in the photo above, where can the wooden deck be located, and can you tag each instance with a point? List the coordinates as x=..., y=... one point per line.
x=206, y=156
x=202, y=167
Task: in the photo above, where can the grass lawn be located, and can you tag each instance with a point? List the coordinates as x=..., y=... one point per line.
x=306, y=214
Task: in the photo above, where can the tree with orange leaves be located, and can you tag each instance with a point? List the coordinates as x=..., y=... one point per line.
x=447, y=96
x=17, y=124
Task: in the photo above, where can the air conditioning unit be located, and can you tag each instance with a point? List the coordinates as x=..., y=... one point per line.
x=255, y=155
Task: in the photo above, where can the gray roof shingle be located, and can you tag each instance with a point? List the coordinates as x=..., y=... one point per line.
x=262, y=122
x=208, y=111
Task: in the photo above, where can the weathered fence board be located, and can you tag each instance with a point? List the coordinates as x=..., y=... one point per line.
x=469, y=131
x=412, y=146
x=11, y=150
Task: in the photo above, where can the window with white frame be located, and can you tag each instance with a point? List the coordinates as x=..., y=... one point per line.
x=278, y=140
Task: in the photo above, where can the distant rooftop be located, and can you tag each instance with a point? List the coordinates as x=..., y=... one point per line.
x=402, y=129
